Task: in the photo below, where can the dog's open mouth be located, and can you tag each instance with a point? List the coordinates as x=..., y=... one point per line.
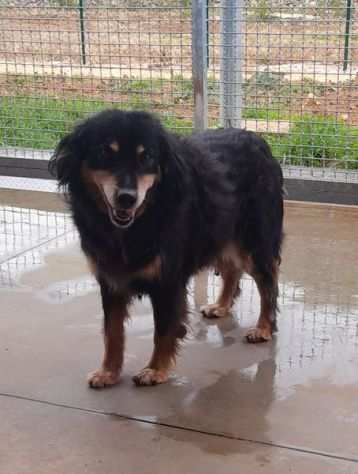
x=121, y=218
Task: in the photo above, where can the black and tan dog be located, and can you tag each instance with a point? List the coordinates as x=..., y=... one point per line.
x=152, y=209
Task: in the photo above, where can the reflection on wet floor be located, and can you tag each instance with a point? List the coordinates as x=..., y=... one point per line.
x=22, y=228
x=318, y=290
x=308, y=373
x=27, y=237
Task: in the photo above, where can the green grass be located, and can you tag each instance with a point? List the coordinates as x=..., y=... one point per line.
x=179, y=125
x=317, y=141
x=39, y=122
x=182, y=89
x=263, y=114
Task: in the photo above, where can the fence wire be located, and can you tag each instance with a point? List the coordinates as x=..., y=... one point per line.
x=288, y=70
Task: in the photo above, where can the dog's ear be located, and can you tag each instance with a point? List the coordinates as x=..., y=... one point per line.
x=172, y=165
x=65, y=161
x=169, y=150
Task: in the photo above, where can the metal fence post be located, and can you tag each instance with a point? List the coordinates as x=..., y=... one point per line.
x=346, y=34
x=230, y=63
x=199, y=64
x=82, y=31
x=199, y=73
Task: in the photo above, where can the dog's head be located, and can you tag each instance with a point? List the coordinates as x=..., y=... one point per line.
x=117, y=157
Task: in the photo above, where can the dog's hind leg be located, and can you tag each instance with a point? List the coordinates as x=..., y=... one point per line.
x=266, y=278
x=230, y=289
x=170, y=311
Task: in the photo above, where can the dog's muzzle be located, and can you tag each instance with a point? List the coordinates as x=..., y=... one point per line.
x=122, y=214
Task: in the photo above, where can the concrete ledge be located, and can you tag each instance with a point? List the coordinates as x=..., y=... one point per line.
x=25, y=153
x=24, y=168
x=324, y=185
x=42, y=201
x=322, y=191
x=300, y=193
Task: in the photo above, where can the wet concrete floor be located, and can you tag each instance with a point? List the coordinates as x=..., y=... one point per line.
x=286, y=406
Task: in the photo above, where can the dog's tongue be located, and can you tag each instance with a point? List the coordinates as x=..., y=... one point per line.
x=123, y=215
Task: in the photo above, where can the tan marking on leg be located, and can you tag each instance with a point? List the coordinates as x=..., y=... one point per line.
x=229, y=266
x=109, y=373
x=231, y=255
x=261, y=333
x=148, y=376
x=167, y=335
x=102, y=378
x=152, y=270
x=163, y=358
x=264, y=327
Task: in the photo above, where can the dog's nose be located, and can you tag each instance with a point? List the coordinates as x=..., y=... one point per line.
x=126, y=199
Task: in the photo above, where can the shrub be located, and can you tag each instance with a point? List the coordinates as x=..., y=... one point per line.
x=318, y=141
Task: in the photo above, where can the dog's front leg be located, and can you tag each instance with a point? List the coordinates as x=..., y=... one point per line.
x=115, y=312
x=170, y=312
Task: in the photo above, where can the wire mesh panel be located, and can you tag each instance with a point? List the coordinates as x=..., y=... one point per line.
x=22, y=231
x=23, y=228
x=287, y=70
x=60, y=60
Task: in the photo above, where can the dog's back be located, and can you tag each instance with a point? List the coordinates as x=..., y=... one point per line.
x=257, y=179
x=245, y=152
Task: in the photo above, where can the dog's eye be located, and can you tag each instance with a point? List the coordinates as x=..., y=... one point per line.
x=144, y=157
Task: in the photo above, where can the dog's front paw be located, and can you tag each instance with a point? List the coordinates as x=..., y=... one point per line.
x=255, y=335
x=150, y=376
x=102, y=378
x=214, y=311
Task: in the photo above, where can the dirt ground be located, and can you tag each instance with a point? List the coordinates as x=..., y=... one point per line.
x=175, y=96
x=151, y=42
x=342, y=102
x=159, y=38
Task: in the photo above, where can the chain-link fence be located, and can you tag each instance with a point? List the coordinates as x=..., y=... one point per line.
x=284, y=68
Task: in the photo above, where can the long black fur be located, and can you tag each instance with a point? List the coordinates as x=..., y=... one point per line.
x=216, y=187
